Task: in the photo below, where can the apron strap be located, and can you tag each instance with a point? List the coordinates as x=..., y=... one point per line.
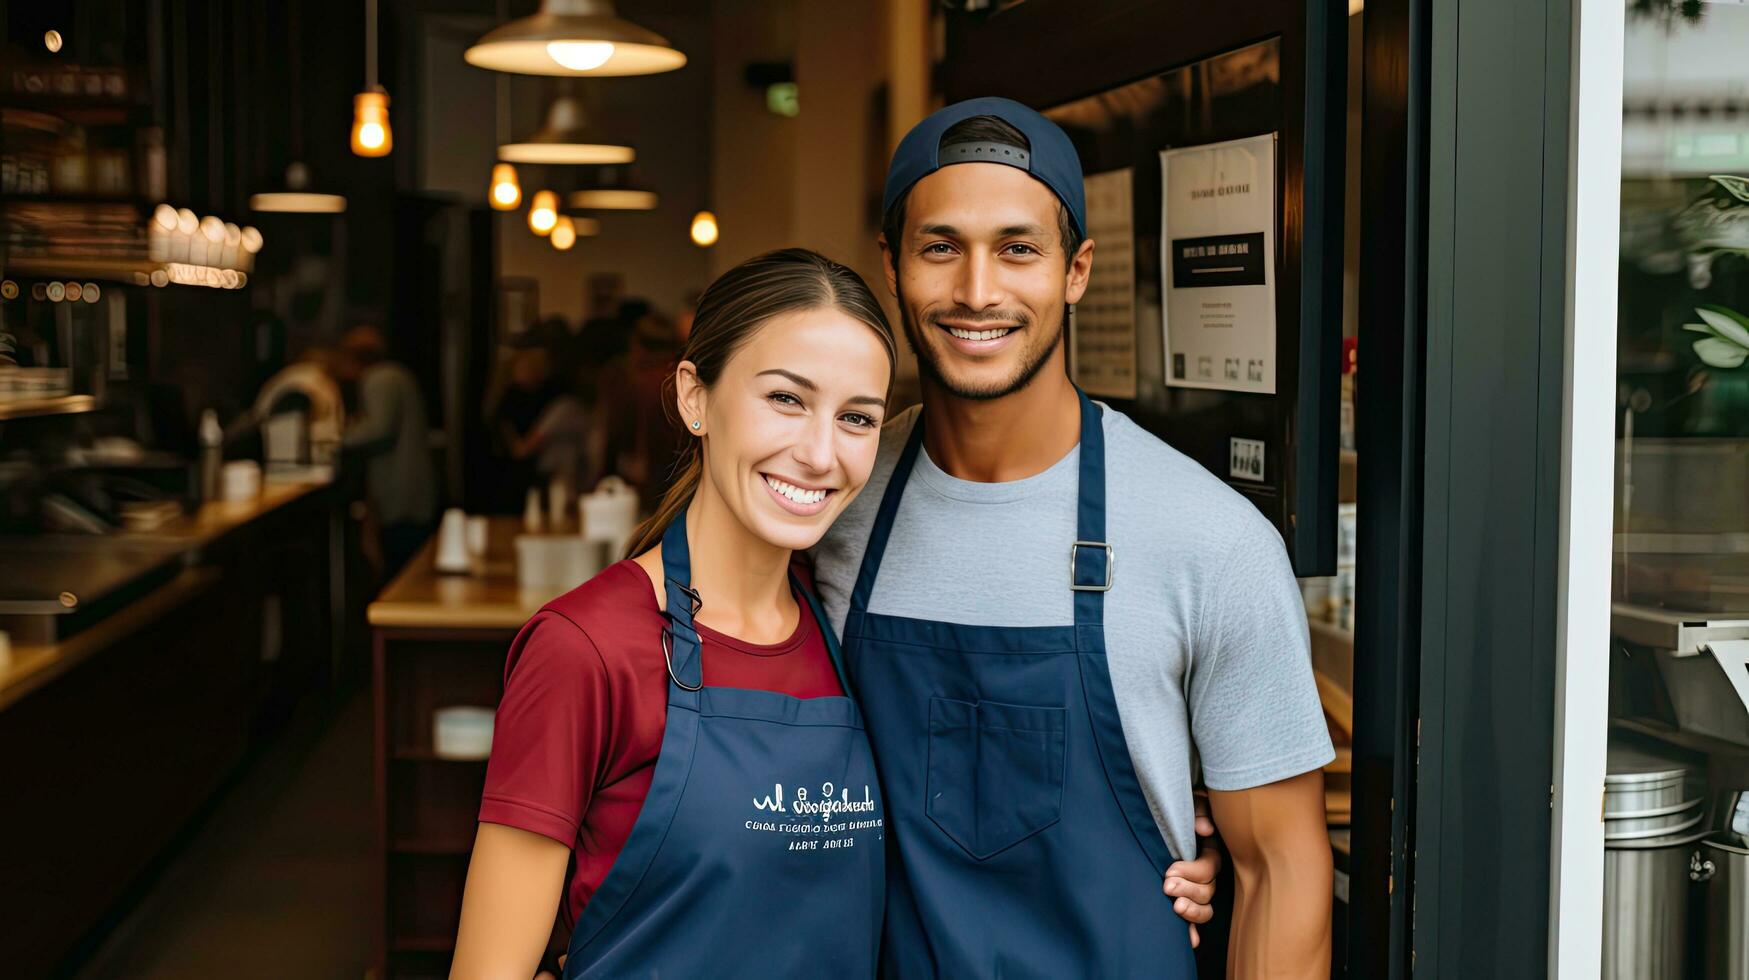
x=680, y=643
x=1090, y=556
x=832, y=648
x=883, y=525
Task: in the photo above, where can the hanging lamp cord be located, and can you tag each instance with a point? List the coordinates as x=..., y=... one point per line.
x=370, y=45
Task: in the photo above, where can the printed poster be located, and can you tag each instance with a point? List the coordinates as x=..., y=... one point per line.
x=1104, y=355
x=1217, y=258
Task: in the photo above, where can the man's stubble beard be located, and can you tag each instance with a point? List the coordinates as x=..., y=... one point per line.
x=926, y=362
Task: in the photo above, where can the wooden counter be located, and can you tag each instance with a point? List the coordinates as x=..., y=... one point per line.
x=437, y=640
x=421, y=597
x=141, y=712
x=37, y=659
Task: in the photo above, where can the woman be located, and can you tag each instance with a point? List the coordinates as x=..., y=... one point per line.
x=676, y=768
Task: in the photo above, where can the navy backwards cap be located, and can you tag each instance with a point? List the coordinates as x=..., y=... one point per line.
x=1051, y=157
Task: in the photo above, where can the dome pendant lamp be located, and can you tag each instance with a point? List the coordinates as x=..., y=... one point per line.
x=561, y=139
x=371, y=136
x=574, y=37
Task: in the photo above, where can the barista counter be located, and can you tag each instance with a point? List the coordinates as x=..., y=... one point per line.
x=437, y=640
x=143, y=666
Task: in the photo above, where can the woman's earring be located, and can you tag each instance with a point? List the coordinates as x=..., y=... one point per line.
x=695, y=425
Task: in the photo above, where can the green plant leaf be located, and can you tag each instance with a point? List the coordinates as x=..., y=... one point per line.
x=1727, y=324
x=1738, y=187
x=1720, y=353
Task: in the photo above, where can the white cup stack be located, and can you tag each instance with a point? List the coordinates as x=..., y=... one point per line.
x=609, y=514
x=452, y=543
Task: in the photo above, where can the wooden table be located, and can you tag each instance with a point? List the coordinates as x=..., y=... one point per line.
x=438, y=640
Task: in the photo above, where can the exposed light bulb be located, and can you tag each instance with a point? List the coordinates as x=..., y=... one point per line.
x=371, y=136
x=580, y=55
x=564, y=234
x=52, y=41
x=543, y=212
x=704, y=229
x=506, y=192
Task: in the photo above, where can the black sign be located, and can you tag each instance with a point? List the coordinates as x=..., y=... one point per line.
x=1218, y=260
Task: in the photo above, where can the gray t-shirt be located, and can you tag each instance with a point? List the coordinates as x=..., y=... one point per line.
x=1205, y=629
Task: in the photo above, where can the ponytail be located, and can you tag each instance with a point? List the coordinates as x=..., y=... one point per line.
x=689, y=470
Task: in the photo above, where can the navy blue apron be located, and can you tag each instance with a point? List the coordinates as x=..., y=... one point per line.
x=759, y=850
x=1020, y=843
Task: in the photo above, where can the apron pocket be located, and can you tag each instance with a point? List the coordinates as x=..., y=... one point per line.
x=995, y=772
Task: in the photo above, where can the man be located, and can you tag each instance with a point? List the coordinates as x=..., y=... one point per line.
x=390, y=432
x=1049, y=616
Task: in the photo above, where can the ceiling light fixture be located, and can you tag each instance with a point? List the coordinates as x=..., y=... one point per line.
x=574, y=37
x=704, y=229
x=612, y=199
x=296, y=196
x=506, y=192
x=371, y=135
x=564, y=234
x=543, y=212
x=561, y=139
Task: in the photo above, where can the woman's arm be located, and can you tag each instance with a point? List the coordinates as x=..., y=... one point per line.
x=1280, y=846
x=515, y=879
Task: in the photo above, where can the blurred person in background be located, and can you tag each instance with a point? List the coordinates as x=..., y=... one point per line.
x=639, y=443
x=526, y=381
x=556, y=444
x=388, y=432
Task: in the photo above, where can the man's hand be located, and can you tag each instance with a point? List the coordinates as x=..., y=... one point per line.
x=1191, y=884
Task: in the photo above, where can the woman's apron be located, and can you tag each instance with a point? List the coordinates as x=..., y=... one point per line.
x=1022, y=844
x=759, y=850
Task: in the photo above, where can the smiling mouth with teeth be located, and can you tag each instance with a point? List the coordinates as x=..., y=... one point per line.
x=792, y=492
x=979, y=334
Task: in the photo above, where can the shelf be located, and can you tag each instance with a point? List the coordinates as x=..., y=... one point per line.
x=60, y=405
x=124, y=270
x=122, y=109
x=1703, y=744
x=79, y=199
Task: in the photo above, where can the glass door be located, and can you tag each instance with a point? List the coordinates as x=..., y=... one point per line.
x=1675, y=847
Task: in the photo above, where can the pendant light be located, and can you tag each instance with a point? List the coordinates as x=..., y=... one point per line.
x=371, y=136
x=613, y=191
x=704, y=229
x=297, y=196
x=506, y=193
x=574, y=37
x=564, y=233
x=543, y=212
x=561, y=139
x=612, y=199
x=569, y=229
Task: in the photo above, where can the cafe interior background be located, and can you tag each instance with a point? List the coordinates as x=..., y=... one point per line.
x=246, y=679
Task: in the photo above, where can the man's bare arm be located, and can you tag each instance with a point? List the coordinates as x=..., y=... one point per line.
x=1280, y=848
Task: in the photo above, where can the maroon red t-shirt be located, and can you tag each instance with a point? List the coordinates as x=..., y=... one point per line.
x=585, y=701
